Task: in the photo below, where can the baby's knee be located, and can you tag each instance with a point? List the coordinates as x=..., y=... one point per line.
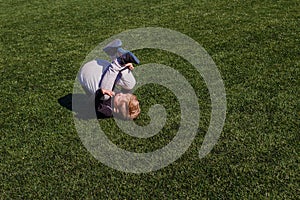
x=131, y=84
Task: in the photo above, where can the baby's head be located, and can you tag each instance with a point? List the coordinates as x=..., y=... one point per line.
x=126, y=106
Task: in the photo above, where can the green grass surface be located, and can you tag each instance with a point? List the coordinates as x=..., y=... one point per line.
x=255, y=45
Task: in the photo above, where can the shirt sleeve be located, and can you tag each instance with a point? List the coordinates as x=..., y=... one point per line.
x=103, y=107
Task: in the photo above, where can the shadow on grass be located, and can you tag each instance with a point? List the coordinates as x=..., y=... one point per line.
x=66, y=101
x=82, y=109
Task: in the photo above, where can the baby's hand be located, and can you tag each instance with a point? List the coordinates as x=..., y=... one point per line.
x=130, y=66
x=108, y=92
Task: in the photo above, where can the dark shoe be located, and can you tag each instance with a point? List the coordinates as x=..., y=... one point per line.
x=128, y=57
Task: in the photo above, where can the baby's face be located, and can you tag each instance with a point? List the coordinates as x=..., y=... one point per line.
x=119, y=102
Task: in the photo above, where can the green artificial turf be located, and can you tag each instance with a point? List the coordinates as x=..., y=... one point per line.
x=255, y=45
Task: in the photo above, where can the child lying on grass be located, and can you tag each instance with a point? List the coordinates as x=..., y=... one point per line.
x=99, y=77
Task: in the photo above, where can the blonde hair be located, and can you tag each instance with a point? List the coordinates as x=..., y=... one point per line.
x=130, y=108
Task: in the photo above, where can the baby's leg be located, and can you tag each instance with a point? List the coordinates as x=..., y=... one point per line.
x=89, y=76
x=127, y=80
